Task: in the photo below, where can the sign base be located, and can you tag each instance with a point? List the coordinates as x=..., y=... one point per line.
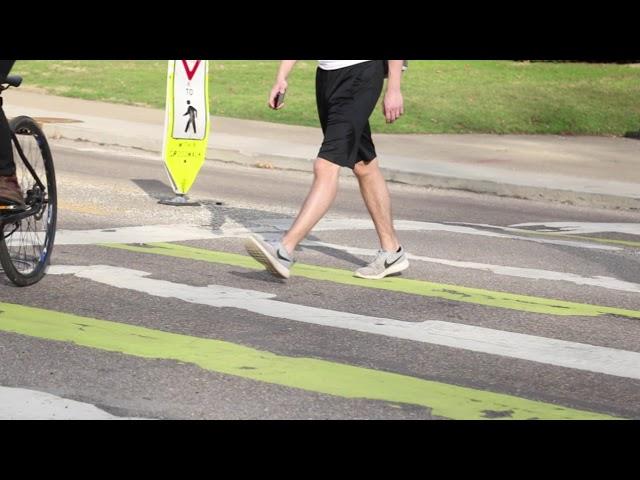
x=179, y=201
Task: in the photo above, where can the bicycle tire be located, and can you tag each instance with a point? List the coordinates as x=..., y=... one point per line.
x=25, y=253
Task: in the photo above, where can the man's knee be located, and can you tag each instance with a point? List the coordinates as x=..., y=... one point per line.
x=363, y=169
x=324, y=168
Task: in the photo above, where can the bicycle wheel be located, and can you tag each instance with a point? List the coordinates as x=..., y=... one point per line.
x=26, y=245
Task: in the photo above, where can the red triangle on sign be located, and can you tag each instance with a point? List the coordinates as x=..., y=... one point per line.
x=190, y=72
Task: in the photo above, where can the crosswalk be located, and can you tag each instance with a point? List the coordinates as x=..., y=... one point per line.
x=198, y=247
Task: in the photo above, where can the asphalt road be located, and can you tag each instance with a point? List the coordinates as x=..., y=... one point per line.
x=154, y=311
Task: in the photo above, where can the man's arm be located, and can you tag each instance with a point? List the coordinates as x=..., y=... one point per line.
x=393, y=104
x=280, y=86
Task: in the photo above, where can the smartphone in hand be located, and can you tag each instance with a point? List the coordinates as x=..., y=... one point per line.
x=278, y=100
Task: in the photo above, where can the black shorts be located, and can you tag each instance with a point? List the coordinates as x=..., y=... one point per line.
x=346, y=97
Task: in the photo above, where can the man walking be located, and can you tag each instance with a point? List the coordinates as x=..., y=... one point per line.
x=346, y=93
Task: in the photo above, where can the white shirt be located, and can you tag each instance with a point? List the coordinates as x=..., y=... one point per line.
x=336, y=64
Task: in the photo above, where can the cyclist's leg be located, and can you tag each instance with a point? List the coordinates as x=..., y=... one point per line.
x=10, y=193
x=9, y=189
x=5, y=68
x=7, y=166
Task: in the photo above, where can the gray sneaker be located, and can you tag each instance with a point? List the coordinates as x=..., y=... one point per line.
x=270, y=254
x=384, y=264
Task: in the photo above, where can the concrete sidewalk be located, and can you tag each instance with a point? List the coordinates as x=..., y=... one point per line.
x=597, y=171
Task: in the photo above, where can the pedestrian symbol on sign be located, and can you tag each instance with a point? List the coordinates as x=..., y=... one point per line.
x=193, y=114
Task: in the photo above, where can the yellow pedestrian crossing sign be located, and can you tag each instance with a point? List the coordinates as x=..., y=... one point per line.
x=186, y=130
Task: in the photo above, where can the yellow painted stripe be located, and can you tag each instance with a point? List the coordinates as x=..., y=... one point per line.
x=310, y=374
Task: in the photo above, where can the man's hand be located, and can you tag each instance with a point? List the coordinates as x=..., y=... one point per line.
x=393, y=105
x=281, y=82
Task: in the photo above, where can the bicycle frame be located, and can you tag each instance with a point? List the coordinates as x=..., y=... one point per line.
x=37, y=204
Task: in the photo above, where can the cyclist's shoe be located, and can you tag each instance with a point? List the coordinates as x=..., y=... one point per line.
x=10, y=194
x=385, y=263
x=270, y=254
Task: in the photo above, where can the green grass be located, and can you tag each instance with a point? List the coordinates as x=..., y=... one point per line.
x=440, y=96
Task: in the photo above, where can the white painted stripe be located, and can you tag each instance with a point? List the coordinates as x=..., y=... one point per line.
x=559, y=229
x=22, y=404
x=533, y=273
x=479, y=339
x=351, y=224
x=181, y=232
x=586, y=227
x=142, y=234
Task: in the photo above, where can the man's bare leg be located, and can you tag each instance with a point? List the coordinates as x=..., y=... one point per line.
x=375, y=193
x=373, y=187
x=320, y=198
